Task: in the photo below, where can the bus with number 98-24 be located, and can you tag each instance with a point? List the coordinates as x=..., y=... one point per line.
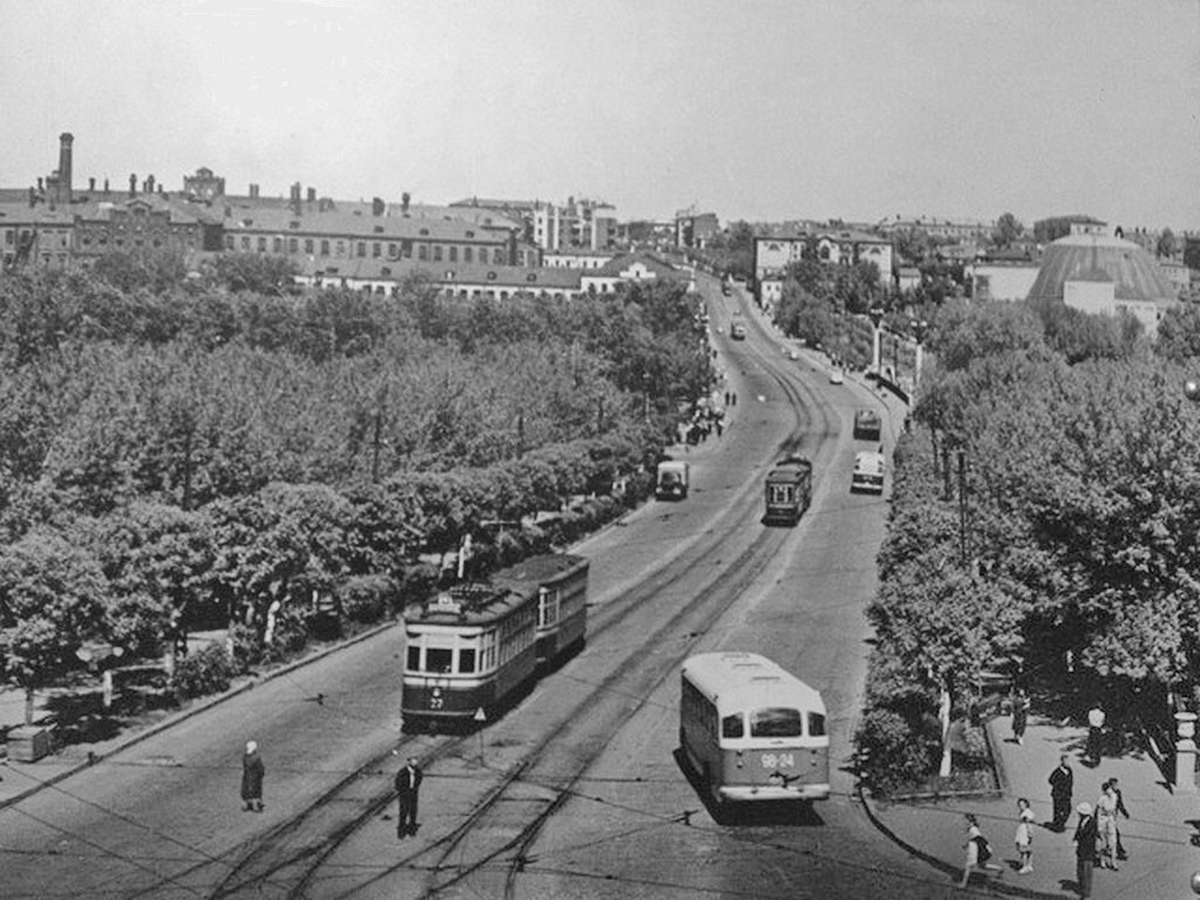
x=751, y=730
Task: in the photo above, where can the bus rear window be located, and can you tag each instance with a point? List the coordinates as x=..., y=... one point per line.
x=732, y=727
x=776, y=721
x=816, y=725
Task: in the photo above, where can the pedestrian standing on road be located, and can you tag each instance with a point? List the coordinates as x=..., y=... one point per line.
x=1020, y=715
x=1121, y=811
x=252, y=778
x=1085, y=850
x=1024, y=836
x=1095, y=733
x=408, y=784
x=1062, y=784
x=1106, y=825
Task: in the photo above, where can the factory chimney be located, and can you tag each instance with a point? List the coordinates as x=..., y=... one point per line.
x=64, y=167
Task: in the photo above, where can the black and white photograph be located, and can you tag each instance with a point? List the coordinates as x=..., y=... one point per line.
x=548, y=450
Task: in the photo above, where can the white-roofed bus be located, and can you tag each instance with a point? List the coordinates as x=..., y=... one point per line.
x=751, y=730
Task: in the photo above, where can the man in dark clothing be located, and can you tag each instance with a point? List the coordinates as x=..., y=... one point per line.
x=1062, y=784
x=408, y=783
x=1121, y=811
x=1085, y=850
x=252, y=778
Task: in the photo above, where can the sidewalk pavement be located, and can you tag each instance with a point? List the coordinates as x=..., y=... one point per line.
x=19, y=780
x=1157, y=836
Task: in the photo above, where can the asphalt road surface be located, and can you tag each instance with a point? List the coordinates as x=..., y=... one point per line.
x=577, y=791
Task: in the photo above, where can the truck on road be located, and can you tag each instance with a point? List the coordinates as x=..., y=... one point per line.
x=672, y=480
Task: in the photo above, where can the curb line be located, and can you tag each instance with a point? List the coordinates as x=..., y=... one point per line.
x=995, y=885
x=195, y=710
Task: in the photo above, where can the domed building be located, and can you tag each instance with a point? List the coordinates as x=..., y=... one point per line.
x=1099, y=273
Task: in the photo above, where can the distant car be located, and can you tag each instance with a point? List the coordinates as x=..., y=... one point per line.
x=738, y=331
x=793, y=353
x=836, y=376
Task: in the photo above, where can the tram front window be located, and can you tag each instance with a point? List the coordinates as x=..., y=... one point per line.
x=414, y=658
x=466, y=660
x=437, y=660
x=732, y=727
x=776, y=721
x=816, y=725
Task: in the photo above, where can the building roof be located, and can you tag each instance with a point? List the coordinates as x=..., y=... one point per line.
x=1085, y=257
x=510, y=277
x=614, y=267
x=357, y=225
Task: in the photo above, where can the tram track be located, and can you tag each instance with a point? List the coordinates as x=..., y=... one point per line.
x=516, y=804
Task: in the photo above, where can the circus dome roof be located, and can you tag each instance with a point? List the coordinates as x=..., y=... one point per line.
x=1094, y=257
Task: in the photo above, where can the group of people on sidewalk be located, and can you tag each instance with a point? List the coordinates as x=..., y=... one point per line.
x=1097, y=837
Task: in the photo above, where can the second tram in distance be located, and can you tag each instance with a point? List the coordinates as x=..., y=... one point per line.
x=473, y=647
x=789, y=491
x=751, y=730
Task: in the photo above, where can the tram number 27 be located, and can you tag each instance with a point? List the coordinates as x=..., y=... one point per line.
x=435, y=702
x=778, y=761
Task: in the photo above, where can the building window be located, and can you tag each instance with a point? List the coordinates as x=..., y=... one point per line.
x=393, y=251
x=278, y=245
x=376, y=249
x=466, y=254
x=437, y=252
x=245, y=242
x=341, y=248
x=262, y=245
x=324, y=248
x=9, y=238
x=308, y=245
x=293, y=245
x=406, y=249
x=453, y=253
x=497, y=257
x=422, y=252
x=362, y=248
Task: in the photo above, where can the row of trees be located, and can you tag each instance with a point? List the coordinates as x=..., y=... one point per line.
x=183, y=454
x=1045, y=522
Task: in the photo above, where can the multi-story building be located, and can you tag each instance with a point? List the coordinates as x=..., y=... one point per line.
x=695, y=230
x=940, y=229
x=774, y=252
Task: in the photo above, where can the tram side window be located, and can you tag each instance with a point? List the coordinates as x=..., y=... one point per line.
x=466, y=660
x=437, y=659
x=816, y=725
x=414, y=657
x=776, y=721
x=732, y=726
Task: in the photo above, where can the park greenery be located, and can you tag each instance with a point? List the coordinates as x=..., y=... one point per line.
x=1045, y=528
x=181, y=452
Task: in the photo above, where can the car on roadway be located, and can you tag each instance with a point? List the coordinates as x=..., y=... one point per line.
x=836, y=376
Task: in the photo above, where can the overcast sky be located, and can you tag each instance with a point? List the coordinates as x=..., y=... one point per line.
x=754, y=109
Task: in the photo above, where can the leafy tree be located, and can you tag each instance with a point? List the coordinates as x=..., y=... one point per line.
x=258, y=273
x=52, y=600
x=1165, y=246
x=132, y=270
x=1008, y=229
x=1179, y=333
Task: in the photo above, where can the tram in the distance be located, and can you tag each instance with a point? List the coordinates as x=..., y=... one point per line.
x=789, y=491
